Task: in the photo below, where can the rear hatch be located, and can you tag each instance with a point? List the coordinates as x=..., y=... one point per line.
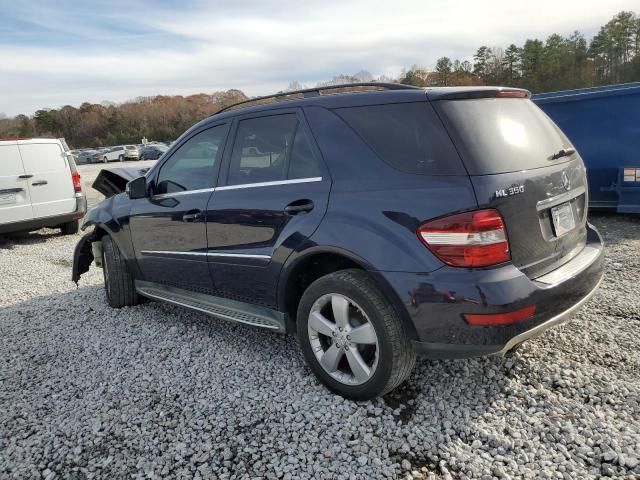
x=521, y=164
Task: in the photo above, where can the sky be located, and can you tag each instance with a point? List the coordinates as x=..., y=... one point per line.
x=65, y=52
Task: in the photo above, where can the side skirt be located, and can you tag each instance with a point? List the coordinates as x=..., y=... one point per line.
x=222, y=308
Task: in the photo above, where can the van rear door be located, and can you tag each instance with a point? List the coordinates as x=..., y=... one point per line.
x=51, y=185
x=521, y=164
x=15, y=201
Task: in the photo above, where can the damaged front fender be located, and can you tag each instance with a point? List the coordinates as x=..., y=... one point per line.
x=83, y=256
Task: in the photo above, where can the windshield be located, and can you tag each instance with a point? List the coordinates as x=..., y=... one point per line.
x=500, y=135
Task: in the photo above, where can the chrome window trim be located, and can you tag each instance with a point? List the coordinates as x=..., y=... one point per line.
x=205, y=254
x=235, y=187
x=186, y=192
x=269, y=184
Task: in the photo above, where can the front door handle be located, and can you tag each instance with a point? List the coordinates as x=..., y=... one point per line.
x=25, y=176
x=192, y=216
x=39, y=182
x=298, y=207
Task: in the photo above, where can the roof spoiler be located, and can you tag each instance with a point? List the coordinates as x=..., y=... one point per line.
x=465, y=93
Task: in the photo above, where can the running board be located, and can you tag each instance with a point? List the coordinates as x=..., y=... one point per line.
x=222, y=308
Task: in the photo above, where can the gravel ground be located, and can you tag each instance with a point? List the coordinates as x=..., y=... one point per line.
x=155, y=391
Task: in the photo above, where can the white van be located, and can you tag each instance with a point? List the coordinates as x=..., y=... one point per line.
x=39, y=186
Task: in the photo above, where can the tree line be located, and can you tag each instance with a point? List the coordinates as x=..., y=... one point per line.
x=557, y=63
x=158, y=118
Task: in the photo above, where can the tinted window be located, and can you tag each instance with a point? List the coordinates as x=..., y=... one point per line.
x=260, y=149
x=408, y=136
x=302, y=164
x=193, y=165
x=502, y=135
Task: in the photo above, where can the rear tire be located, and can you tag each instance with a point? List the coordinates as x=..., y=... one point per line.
x=370, y=354
x=121, y=158
x=105, y=160
x=70, y=228
x=118, y=281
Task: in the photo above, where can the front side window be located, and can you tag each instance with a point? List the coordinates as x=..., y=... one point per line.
x=269, y=149
x=193, y=165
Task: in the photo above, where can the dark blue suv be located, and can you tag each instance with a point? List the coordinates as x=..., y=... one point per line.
x=376, y=222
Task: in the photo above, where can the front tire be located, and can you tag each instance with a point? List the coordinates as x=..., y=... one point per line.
x=70, y=228
x=351, y=338
x=118, y=281
x=105, y=160
x=121, y=158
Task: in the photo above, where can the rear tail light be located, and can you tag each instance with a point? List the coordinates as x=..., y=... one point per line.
x=470, y=239
x=496, y=319
x=77, y=185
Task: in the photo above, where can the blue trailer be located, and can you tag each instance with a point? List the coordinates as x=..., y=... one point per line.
x=604, y=125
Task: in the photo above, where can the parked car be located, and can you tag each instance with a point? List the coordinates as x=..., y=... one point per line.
x=131, y=152
x=39, y=186
x=376, y=225
x=113, y=154
x=84, y=156
x=120, y=153
x=153, y=151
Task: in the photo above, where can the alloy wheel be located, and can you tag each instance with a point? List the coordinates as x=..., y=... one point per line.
x=343, y=339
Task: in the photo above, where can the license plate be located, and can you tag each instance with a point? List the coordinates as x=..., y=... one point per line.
x=563, y=219
x=7, y=198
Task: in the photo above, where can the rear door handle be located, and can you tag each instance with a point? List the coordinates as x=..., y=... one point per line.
x=192, y=216
x=39, y=182
x=25, y=176
x=299, y=206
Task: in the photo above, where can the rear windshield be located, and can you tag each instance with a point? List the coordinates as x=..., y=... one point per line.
x=408, y=136
x=502, y=135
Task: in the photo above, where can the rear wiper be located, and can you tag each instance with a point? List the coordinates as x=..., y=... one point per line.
x=565, y=152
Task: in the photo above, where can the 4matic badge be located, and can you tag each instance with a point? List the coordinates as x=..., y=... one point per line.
x=507, y=192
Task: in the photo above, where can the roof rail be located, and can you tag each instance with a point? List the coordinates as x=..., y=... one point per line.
x=316, y=92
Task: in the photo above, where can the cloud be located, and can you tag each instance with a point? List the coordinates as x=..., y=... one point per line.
x=72, y=52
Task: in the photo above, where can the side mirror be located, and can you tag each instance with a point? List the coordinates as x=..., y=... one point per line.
x=137, y=188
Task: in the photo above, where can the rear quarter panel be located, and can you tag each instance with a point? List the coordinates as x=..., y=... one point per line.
x=374, y=209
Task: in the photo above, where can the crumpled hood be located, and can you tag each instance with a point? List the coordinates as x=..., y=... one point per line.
x=113, y=181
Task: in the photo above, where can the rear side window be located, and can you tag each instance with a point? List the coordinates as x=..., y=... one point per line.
x=500, y=135
x=408, y=136
x=302, y=163
x=268, y=149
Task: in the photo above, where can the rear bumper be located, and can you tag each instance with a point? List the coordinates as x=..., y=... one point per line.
x=53, y=221
x=436, y=302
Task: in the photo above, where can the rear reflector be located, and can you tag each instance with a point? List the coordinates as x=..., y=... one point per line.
x=494, y=319
x=470, y=239
x=77, y=185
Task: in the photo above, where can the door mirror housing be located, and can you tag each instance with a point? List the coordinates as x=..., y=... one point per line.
x=137, y=188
